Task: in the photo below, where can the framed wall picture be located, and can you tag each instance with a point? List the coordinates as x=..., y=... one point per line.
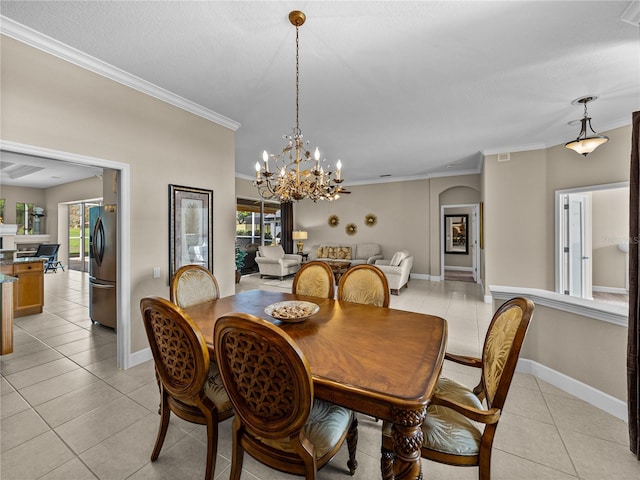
x=456, y=230
x=190, y=227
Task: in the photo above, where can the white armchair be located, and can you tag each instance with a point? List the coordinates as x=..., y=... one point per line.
x=397, y=270
x=274, y=262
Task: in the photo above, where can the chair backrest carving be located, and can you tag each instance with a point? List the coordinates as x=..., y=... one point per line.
x=178, y=347
x=193, y=284
x=364, y=284
x=265, y=374
x=314, y=279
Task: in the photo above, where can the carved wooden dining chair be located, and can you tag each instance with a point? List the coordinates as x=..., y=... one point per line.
x=190, y=385
x=278, y=422
x=364, y=284
x=193, y=284
x=314, y=279
x=450, y=434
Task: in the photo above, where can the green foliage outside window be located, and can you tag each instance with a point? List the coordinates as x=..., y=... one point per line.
x=24, y=219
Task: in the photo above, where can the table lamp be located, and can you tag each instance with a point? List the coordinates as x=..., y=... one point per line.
x=299, y=235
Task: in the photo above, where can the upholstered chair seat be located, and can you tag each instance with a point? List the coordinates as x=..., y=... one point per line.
x=314, y=279
x=446, y=430
x=214, y=389
x=324, y=428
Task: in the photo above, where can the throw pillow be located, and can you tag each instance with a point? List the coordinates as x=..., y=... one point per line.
x=332, y=252
x=343, y=253
x=322, y=252
x=396, y=259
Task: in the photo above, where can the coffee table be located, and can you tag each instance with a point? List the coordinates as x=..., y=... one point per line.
x=339, y=268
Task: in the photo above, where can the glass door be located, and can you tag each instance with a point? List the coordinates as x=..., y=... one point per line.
x=79, y=235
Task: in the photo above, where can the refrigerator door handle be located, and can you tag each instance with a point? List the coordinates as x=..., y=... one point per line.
x=98, y=243
x=97, y=285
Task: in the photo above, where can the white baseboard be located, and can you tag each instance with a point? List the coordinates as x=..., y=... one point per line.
x=421, y=276
x=141, y=356
x=597, y=398
x=621, y=291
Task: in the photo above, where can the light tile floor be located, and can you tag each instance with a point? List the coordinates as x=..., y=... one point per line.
x=68, y=413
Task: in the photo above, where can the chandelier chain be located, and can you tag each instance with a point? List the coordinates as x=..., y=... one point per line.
x=298, y=79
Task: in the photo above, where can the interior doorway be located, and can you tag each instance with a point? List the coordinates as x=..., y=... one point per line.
x=124, y=357
x=459, y=248
x=591, y=242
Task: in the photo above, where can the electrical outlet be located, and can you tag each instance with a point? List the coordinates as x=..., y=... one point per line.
x=156, y=272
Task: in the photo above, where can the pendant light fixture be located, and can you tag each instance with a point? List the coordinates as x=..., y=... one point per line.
x=585, y=143
x=291, y=180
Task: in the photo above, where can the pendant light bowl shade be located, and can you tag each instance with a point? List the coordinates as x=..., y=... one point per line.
x=587, y=145
x=584, y=144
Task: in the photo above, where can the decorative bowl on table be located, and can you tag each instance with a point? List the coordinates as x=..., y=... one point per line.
x=291, y=311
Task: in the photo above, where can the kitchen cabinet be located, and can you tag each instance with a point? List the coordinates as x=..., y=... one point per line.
x=28, y=291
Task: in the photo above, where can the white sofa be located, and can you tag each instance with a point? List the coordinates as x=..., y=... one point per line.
x=357, y=254
x=397, y=270
x=274, y=262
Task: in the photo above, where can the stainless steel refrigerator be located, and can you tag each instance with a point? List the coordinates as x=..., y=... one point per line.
x=103, y=265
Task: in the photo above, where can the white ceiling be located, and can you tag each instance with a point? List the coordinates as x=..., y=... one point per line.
x=407, y=89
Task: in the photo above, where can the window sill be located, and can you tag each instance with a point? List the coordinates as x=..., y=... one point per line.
x=615, y=314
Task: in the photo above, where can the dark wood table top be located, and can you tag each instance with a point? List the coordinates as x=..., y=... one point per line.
x=370, y=359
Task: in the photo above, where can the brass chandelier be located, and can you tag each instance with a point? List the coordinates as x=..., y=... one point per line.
x=296, y=174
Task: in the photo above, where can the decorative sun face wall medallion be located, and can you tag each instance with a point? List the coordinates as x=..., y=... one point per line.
x=351, y=229
x=334, y=221
x=370, y=220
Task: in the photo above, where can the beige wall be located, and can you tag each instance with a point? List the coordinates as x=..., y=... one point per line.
x=403, y=219
x=519, y=199
x=610, y=226
x=405, y=212
x=13, y=195
x=589, y=350
x=516, y=223
x=566, y=169
x=49, y=103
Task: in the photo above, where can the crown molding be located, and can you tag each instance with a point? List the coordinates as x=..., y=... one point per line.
x=42, y=42
x=457, y=173
x=514, y=149
x=632, y=14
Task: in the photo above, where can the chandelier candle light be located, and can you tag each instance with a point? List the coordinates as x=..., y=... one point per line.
x=292, y=181
x=586, y=144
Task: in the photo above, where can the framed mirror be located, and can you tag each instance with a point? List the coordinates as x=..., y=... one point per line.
x=456, y=234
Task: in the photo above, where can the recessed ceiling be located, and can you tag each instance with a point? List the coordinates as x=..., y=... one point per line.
x=410, y=89
x=17, y=170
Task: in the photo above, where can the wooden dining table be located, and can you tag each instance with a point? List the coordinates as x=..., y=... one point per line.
x=379, y=361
